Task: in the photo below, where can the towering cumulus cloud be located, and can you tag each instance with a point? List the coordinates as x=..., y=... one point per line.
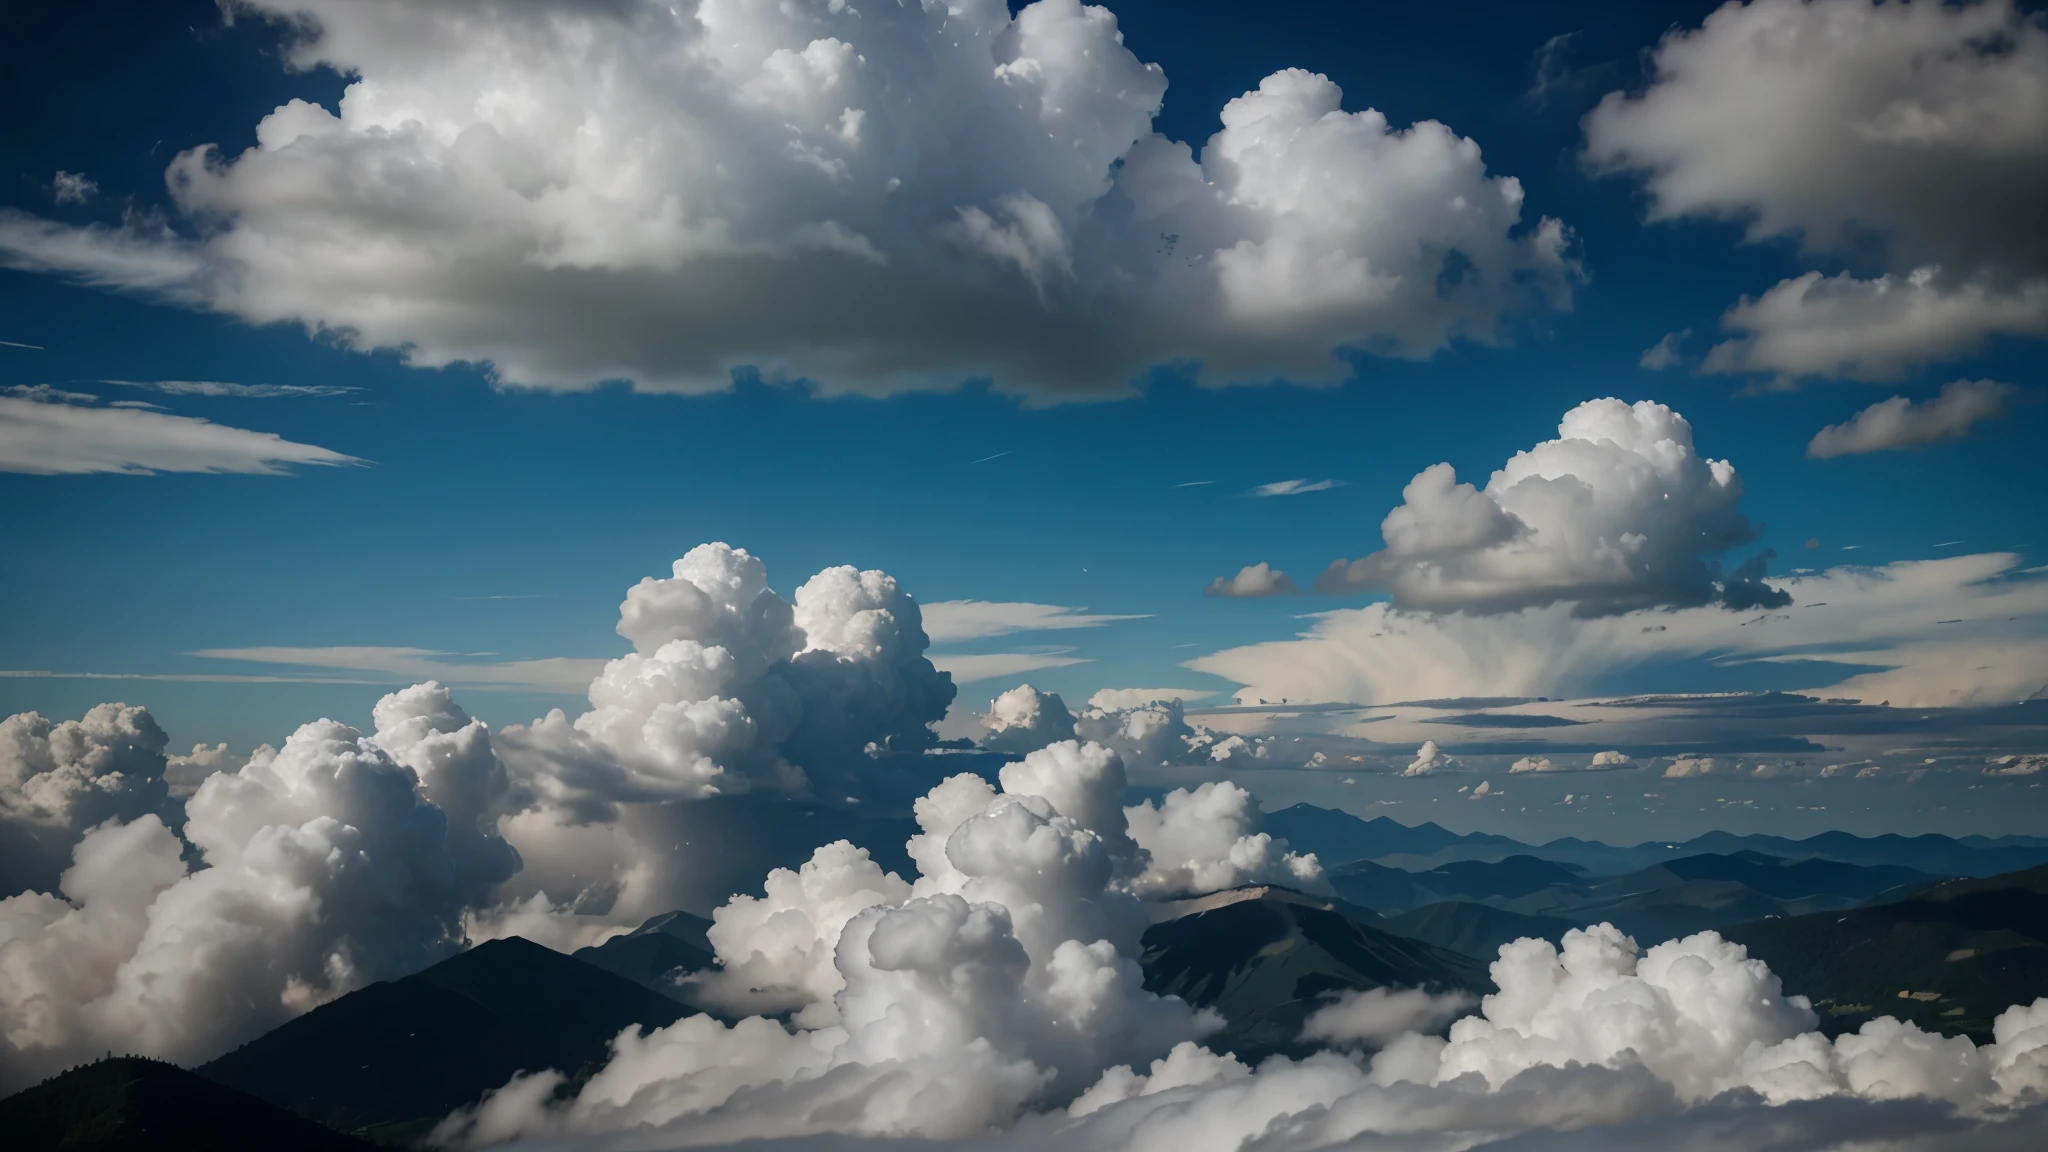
x=871, y=194
x=1613, y=515
x=1911, y=132
x=133, y=920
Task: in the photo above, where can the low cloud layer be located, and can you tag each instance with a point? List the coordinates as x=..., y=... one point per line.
x=1901, y=423
x=1989, y=652
x=46, y=432
x=1615, y=514
x=1911, y=133
x=528, y=185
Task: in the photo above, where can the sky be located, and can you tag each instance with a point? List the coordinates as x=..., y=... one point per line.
x=480, y=341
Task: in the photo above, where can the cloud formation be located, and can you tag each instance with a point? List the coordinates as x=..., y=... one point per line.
x=1860, y=616
x=949, y=621
x=1614, y=515
x=903, y=197
x=1908, y=132
x=48, y=433
x=1252, y=582
x=1897, y=423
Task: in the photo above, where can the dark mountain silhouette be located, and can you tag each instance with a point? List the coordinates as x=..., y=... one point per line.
x=1961, y=952
x=1266, y=958
x=656, y=952
x=390, y=1060
x=130, y=1104
x=1477, y=930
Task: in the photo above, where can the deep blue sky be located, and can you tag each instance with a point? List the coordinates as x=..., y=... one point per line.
x=560, y=501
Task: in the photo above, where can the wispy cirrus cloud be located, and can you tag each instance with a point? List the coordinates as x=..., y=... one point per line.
x=1295, y=487
x=48, y=432
x=238, y=391
x=968, y=668
x=567, y=675
x=950, y=621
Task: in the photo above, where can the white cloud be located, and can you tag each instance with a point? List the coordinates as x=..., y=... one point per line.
x=59, y=778
x=239, y=391
x=1875, y=329
x=1534, y=764
x=1664, y=353
x=1377, y=1016
x=1909, y=131
x=1614, y=514
x=1024, y=719
x=1114, y=699
x=1295, y=487
x=970, y=669
x=1429, y=760
x=1900, y=423
x=47, y=433
x=1688, y=766
x=575, y=193
x=563, y=674
x=1867, y=616
x=1253, y=581
x=72, y=187
x=950, y=621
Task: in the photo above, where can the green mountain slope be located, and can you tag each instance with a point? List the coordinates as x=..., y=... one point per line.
x=1968, y=948
x=390, y=1059
x=1266, y=959
x=129, y=1104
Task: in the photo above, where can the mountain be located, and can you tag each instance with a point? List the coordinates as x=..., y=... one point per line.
x=129, y=1104
x=1265, y=957
x=389, y=1060
x=653, y=954
x=1392, y=890
x=1475, y=930
x=1950, y=958
x=1336, y=836
x=1798, y=879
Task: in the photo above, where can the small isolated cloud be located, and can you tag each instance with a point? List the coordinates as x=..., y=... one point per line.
x=49, y=433
x=72, y=187
x=1900, y=423
x=1124, y=699
x=1295, y=487
x=1253, y=581
x=1617, y=513
x=1664, y=353
x=1532, y=764
x=1610, y=759
x=968, y=669
x=1429, y=759
x=1376, y=1016
x=947, y=621
x=1689, y=766
x=239, y=391
x=1485, y=789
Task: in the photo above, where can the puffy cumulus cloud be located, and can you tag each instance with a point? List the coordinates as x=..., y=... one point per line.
x=1908, y=132
x=59, y=778
x=1688, y=766
x=2016, y=765
x=184, y=773
x=1024, y=719
x=1872, y=616
x=1429, y=759
x=1901, y=423
x=1610, y=759
x=1377, y=1016
x=868, y=194
x=1254, y=581
x=1005, y=976
x=1534, y=764
x=1157, y=733
x=48, y=433
x=1613, y=515
x=1208, y=840
x=321, y=868
x=1597, y=1042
